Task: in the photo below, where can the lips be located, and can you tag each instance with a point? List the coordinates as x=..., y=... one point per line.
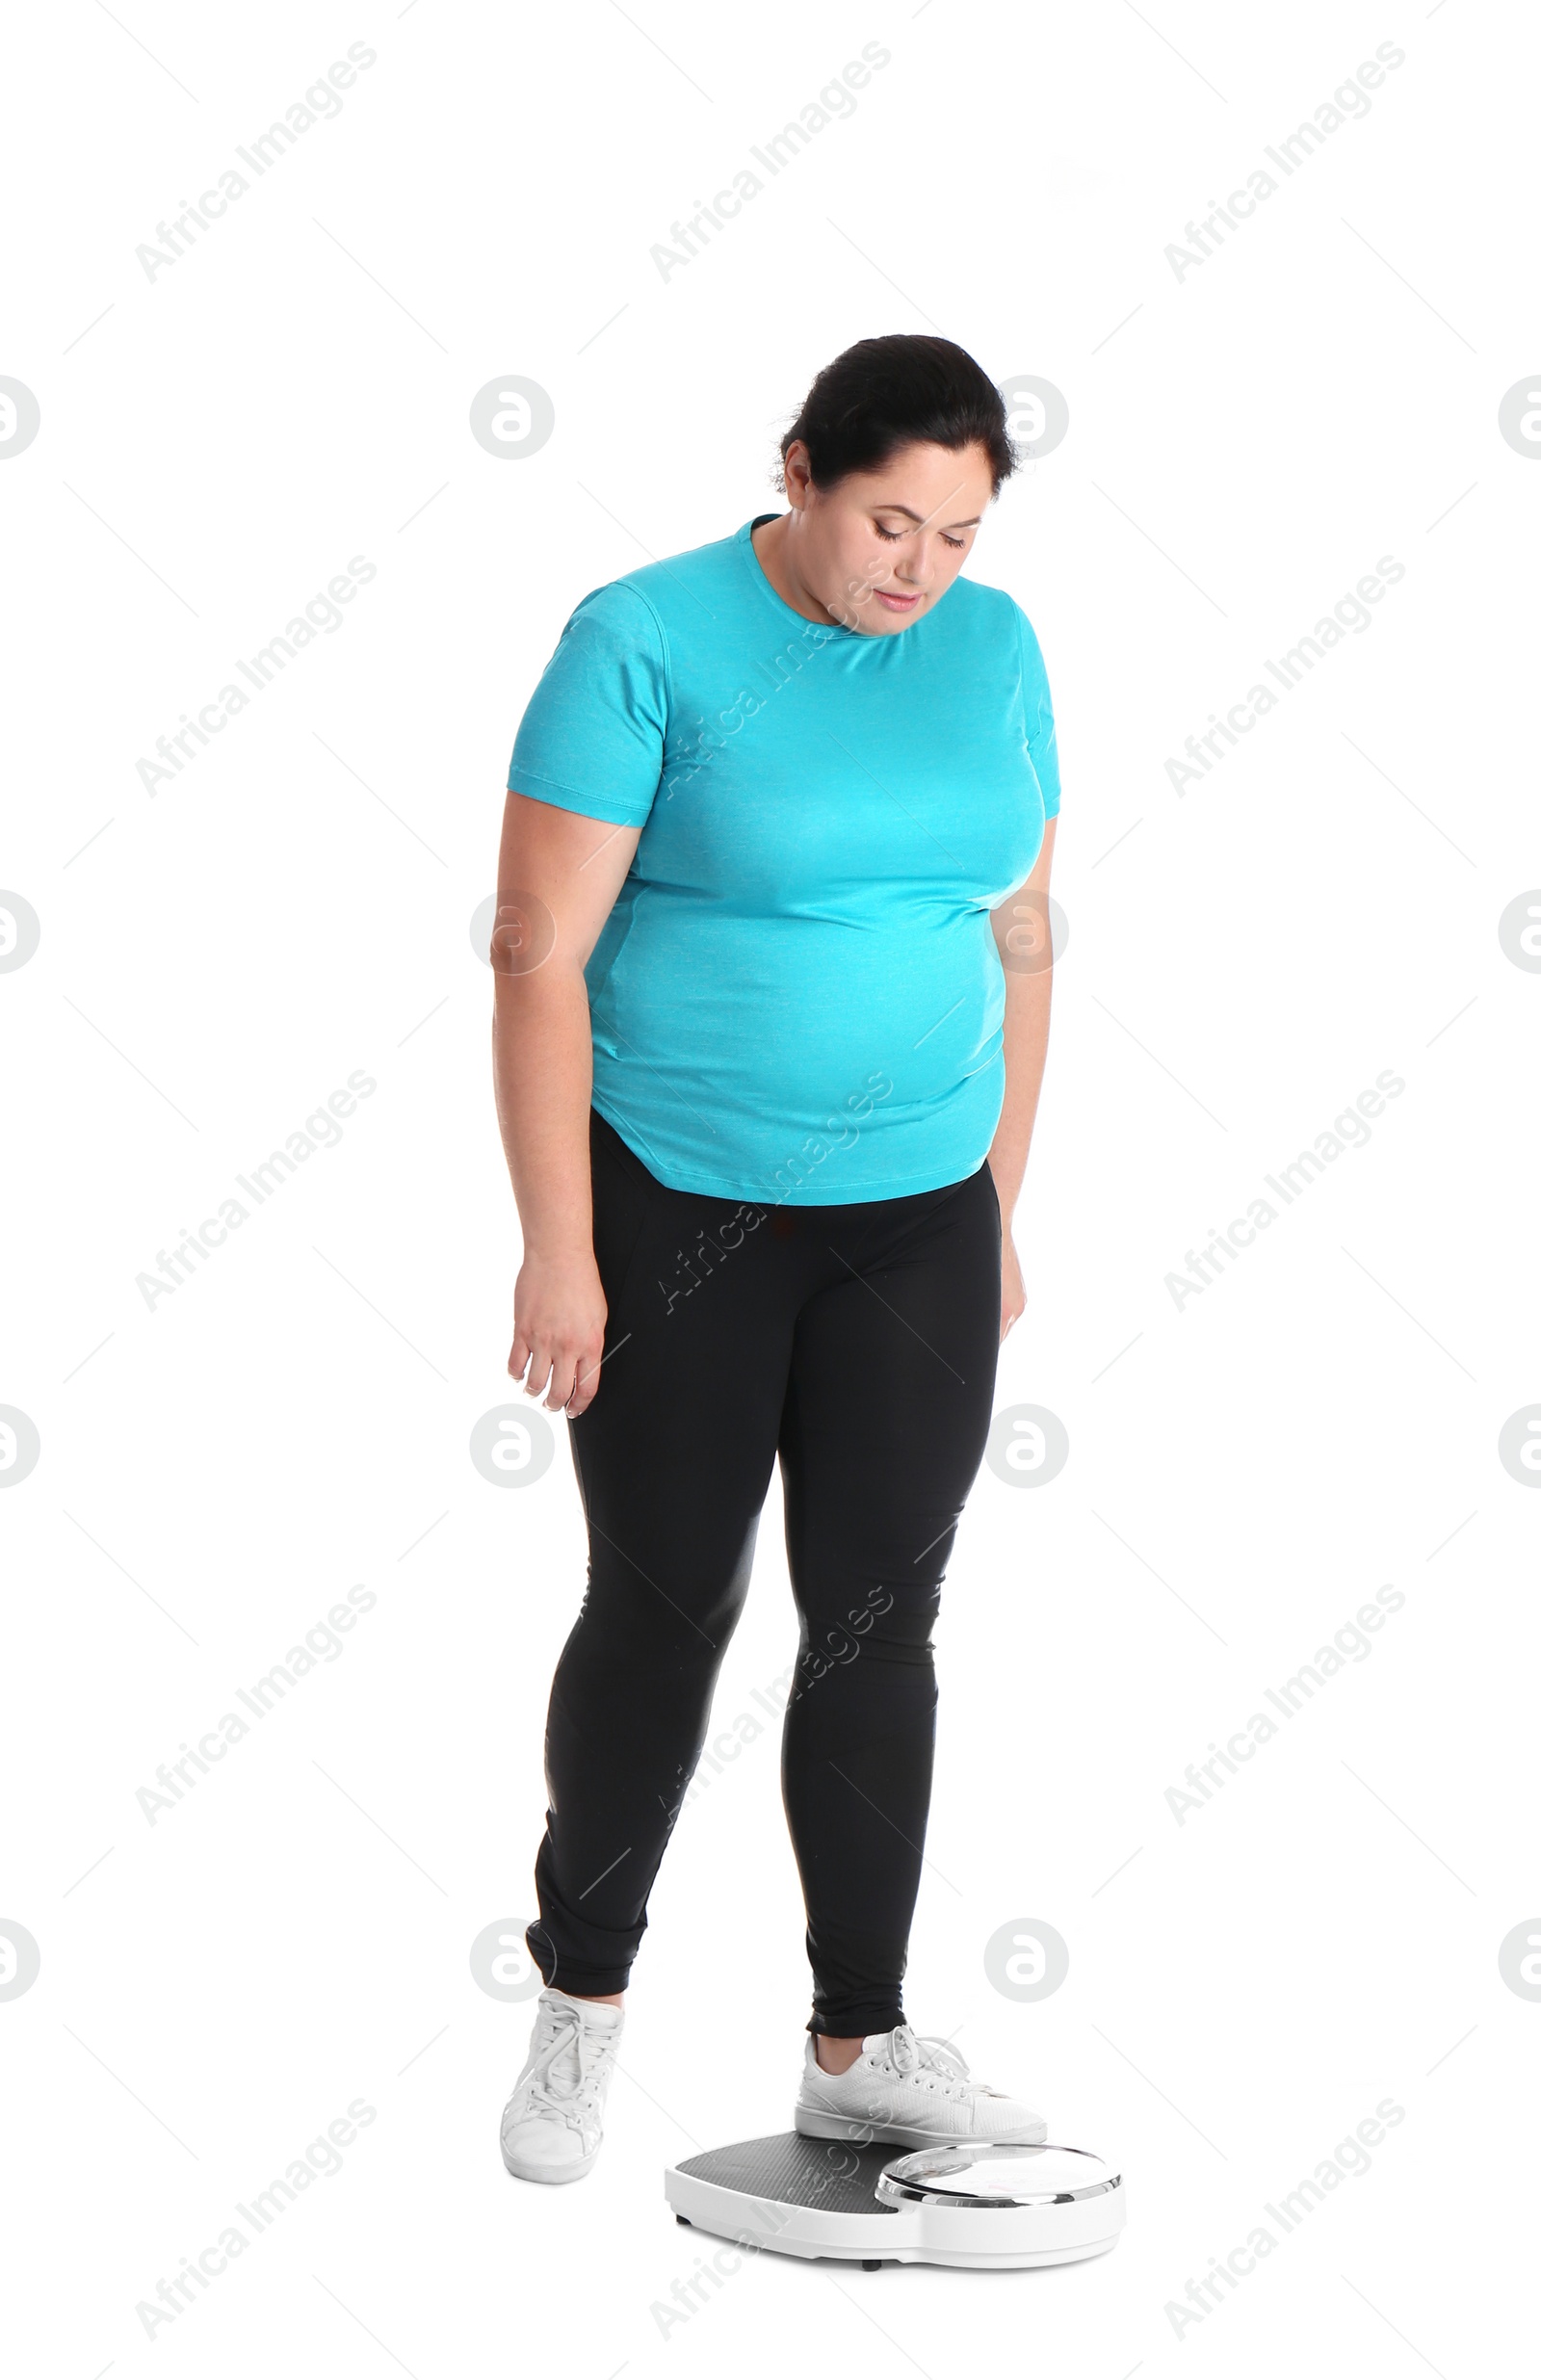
x=895, y=602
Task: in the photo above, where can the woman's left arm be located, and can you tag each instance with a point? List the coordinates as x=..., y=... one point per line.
x=1021, y=926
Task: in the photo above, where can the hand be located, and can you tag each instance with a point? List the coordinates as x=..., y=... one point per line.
x=558, y=1330
x=1013, y=1296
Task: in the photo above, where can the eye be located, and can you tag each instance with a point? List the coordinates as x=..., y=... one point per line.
x=893, y=536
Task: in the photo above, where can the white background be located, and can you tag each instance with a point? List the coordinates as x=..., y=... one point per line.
x=1243, y=959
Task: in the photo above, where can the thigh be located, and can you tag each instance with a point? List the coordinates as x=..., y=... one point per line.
x=674, y=1454
x=888, y=1408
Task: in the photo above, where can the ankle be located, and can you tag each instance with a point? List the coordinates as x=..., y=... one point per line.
x=834, y=2053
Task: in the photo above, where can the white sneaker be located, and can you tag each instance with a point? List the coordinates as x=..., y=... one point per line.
x=554, y=2122
x=909, y=2087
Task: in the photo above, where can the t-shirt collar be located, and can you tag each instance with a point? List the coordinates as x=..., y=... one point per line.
x=745, y=541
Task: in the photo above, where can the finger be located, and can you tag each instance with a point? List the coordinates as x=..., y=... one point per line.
x=518, y=1354
x=536, y=1377
x=586, y=1386
x=563, y=1372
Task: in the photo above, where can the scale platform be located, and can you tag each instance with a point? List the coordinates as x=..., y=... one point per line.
x=980, y=2204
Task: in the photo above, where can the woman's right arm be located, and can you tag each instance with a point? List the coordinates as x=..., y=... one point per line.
x=558, y=874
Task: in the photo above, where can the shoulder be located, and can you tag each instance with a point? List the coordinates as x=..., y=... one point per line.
x=678, y=585
x=990, y=616
x=619, y=608
x=980, y=610
x=653, y=605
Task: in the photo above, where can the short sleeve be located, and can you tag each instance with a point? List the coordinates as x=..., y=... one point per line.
x=592, y=734
x=1039, y=713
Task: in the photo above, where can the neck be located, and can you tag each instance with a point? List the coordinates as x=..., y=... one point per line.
x=771, y=544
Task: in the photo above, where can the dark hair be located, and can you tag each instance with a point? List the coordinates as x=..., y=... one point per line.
x=885, y=394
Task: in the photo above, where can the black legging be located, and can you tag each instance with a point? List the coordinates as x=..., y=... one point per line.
x=859, y=1344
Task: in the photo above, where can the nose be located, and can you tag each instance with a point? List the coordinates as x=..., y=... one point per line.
x=914, y=570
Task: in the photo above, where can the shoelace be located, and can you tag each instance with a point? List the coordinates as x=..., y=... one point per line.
x=910, y=2052
x=558, y=2095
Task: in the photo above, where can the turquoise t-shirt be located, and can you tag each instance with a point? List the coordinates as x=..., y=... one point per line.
x=798, y=996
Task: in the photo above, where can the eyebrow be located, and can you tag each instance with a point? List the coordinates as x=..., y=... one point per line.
x=972, y=523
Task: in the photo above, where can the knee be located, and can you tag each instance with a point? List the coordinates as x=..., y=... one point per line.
x=894, y=1622
x=880, y=1657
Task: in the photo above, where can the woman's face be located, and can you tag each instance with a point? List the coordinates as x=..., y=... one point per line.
x=881, y=547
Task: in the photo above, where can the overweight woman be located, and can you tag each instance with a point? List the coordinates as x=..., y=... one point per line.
x=771, y=1010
